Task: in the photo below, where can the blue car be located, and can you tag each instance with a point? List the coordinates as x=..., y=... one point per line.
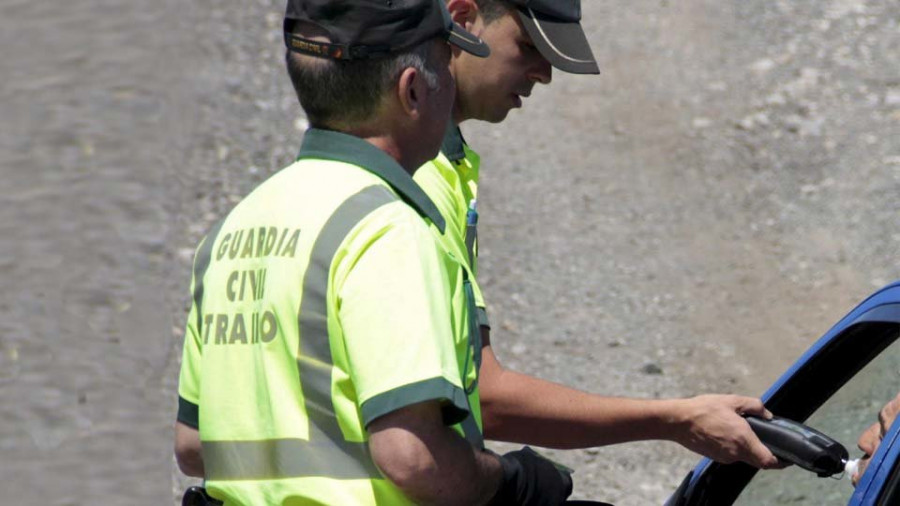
x=837, y=387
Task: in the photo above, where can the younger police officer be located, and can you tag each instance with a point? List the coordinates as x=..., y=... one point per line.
x=528, y=38
x=328, y=350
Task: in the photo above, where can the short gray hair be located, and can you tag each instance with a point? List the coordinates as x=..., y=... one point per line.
x=337, y=93
x=492, y=10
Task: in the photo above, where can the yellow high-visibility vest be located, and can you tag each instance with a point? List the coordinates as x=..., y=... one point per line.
x=451, y=182
x=320, y=303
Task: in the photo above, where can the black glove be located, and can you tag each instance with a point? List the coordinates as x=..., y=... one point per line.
x=531, y=480
x=197, y=496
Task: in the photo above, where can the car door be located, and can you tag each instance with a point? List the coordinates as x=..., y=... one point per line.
x=837, y=386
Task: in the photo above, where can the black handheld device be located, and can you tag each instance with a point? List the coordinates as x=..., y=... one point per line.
x=801, y=445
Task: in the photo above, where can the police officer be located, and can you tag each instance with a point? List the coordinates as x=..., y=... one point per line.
x=529, y=38
x=329, y=356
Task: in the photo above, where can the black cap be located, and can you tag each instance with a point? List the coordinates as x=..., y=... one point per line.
x=361, y=29
x=555, y=28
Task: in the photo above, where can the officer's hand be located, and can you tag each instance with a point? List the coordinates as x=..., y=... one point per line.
x=871, y=437
x=713, y=425
x=531, y=480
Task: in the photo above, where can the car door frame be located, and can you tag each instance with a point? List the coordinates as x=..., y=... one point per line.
x=820, y=372
x=880, y=484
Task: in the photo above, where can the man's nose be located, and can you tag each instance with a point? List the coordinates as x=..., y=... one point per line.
x=542, y=72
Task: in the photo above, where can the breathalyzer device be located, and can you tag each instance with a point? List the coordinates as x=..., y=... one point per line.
x=801, y=445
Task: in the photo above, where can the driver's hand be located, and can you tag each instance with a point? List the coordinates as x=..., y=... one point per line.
x=870, y=438
x=713, y=425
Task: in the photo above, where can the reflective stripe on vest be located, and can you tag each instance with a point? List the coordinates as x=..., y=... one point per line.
x=201, y=263
x=326, y=453
x=469, y=426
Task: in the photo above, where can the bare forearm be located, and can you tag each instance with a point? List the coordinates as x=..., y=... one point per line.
x=458, y=474
x=462, y=475
x=429, y=462
x=523, y=409
x=188, y=451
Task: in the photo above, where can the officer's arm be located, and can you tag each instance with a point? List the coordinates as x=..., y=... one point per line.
x=188, y=451
x=430, y=462
x=523, y=409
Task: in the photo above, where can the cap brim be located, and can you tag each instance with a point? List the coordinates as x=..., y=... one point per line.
x=562, y=43
x=461, y=38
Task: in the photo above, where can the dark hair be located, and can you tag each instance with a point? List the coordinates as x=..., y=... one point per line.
x=338, y=93
x=492, y=10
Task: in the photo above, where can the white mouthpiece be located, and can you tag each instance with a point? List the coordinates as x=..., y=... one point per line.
x=851, y=467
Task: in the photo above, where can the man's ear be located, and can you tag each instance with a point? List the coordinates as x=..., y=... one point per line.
x=463, y=12
x=412, y=92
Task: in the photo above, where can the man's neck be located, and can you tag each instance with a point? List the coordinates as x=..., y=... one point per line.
x=385, y=140
x=393, y=148
x=458, y=115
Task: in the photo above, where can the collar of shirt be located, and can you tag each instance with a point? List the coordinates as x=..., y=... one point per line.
x=336, y=146
x=454, y=143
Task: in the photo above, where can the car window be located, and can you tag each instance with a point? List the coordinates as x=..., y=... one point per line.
x=843, y=417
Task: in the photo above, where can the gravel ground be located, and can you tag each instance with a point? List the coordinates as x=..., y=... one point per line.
x=687, y=222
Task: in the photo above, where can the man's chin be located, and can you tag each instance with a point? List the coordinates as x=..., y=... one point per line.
x=496, y=116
